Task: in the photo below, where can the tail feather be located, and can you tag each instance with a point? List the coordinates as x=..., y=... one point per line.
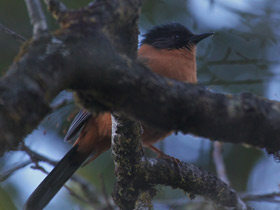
x=55, y=180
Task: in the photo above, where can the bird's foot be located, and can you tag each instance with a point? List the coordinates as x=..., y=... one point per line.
x=161, y=154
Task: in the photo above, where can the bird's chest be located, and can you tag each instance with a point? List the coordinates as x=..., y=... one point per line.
x=175, y=64
x=175, y=68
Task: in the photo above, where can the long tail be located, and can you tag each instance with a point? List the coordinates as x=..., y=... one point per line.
x=55, y=180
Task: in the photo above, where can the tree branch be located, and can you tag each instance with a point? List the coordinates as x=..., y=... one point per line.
x=37, y=17
x=219, y=162
x=127, y=153
x=114, y=81
x=6, y=174
x=136, y=175
x=90, y=194
x=11, y=33
x=191, y=179
x=273, y=197
x=228, y=82
x=36, y=157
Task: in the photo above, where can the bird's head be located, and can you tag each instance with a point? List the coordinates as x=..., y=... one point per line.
x=170, y=50
x=172, y=36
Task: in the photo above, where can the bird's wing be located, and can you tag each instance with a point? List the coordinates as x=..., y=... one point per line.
x=79, y=121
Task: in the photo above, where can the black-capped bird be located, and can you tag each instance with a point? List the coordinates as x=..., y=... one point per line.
x=168, y=50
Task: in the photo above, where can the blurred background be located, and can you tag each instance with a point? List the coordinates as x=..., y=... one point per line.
x=242, y=56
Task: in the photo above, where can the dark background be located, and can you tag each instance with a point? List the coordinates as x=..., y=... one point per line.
x=243, y=55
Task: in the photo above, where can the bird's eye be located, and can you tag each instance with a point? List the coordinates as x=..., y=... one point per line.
x=176, y=36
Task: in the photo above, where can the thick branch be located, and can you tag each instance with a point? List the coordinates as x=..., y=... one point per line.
x=192, y=179
x=125, y=86
x=127, y=153
x=144, y=96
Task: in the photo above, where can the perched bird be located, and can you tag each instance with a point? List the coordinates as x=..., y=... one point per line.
x=168, y=50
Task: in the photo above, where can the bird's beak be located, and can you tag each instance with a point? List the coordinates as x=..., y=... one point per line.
x=197, y=38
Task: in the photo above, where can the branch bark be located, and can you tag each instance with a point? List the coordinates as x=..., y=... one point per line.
x=90, y=43
x=37, y=17
x=191, y=179
x=127, y=154
x=126, y=86
x=219, y=162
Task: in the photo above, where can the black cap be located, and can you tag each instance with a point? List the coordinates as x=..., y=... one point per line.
x=172, y=36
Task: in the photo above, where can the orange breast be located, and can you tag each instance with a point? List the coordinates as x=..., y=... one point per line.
x=179, y=64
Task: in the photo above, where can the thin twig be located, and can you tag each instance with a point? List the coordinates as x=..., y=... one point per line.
x=90, y=193
x=269, y=197
x=10, y=172
x=40, y=168
x=230, y=82
x=35, y=157
x=13, y=34
x=257, y=62
x=105, y=194
x=37, y=17
x=219, y=162
x=74, y=194
x=89, y=190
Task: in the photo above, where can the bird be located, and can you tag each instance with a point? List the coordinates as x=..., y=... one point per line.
x=168, y=50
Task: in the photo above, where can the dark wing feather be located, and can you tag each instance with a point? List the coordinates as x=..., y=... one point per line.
x=79, y=121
